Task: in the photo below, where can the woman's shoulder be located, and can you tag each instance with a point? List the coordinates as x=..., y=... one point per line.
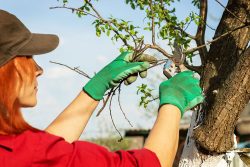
x=16, y=141
x=34, y=139
x=48, y=146
x=41, y=136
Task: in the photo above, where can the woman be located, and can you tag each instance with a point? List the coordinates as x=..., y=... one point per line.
x=22, y=145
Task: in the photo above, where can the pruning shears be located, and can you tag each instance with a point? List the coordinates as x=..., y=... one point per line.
x=176, y=65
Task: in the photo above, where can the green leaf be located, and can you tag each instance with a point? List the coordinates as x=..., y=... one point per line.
x=103, y=29
x=121, y=50
x=108, y=32
x=132, y=32
x=87, y=8
x=106, y=26
x=196, y=3
x=187, y=19
x=132, y=5
x=98, y=32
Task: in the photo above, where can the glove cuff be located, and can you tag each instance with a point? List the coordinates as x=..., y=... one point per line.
x=95, y=89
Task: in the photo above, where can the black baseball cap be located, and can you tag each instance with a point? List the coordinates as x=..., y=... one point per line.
x=17, y=40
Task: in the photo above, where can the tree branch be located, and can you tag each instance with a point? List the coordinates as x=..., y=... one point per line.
x=156, y=98
x=76, y=69
x=96, y=12
x=156, y=47
x=216, y=39
x=175, y=27
x=229, y=11
x=98, y=16
x=106, y=21
x=123, y=40
x=184, y=32
x=153, y=23
x=157, y=64
x=74, y=9
x=179, y=28
x=105, y=101
x=110, y=113
x=206, y=24
x=119, y=101
x=197, y=69
x=200, y=34
x=210, y=27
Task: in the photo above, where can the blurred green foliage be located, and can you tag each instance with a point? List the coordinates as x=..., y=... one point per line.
x=112, y=143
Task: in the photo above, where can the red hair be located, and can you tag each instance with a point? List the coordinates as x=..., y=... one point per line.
x=12, y=75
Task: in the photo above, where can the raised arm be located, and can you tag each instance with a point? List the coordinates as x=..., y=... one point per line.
x=164, y=137
x=72, y=121
x=178, y=94
x=74, y=118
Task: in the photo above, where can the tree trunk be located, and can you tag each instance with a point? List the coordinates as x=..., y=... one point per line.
x=226, y=80
x=226, y=83
x=191, y=156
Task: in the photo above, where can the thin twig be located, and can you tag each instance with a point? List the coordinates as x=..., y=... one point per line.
x=119, y=101
x=188, y=26
x=97, y=16
x=76, y=69
x=140, y=45
x=216, y=39
x=205, y=23
x=162, y=60
x=123, y=40
x=177, y=27
x=157, y=64
x=184, y=32
x=229, y=11
x=133, y=37
x=96, y=12
x=74, y=9
x=153, y=99
x=210, y=27
x=110, y=113
x=141, y=49
x=106, y=21
x=105, y=102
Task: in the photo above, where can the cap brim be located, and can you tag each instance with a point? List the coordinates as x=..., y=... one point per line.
x=39, y=44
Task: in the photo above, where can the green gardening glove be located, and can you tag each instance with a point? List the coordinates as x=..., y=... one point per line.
x=112, y=74
x=182, y=90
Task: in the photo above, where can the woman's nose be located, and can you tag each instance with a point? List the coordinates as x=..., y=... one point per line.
x=39, y=70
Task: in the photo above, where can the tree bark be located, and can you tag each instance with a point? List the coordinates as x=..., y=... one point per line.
x=225, y=80
x=191, y=155
x=226, y=83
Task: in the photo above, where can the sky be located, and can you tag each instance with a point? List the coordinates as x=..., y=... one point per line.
x=80, y=47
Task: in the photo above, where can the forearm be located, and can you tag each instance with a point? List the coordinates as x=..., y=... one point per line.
x=163, y=138
x=72, y=121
